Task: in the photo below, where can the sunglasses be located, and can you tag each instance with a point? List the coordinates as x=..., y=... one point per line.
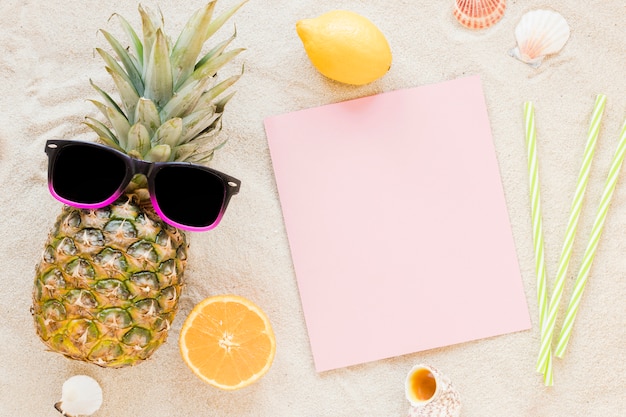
x=187, y=196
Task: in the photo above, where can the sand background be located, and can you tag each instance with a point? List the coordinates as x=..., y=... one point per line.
x=46, y=60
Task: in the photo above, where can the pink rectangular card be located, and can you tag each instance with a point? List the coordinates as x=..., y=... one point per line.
x=397, y=223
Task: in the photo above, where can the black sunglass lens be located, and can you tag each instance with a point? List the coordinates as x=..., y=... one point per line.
x=87, y=174
x=189, y=195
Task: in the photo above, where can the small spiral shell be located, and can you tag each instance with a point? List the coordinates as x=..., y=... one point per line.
x=446, y=404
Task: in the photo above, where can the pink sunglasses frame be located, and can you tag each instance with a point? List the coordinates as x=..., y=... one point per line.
x=135, y=167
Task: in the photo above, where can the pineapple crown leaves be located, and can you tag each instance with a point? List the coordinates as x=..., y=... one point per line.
x=169, y=101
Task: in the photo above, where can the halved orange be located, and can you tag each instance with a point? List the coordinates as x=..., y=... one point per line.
x=227, y=341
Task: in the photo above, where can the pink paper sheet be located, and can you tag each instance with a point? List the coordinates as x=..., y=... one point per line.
x=397, y=223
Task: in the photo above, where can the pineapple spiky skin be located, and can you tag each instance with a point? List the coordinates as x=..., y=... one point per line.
x=107, y=287
x=108, y=283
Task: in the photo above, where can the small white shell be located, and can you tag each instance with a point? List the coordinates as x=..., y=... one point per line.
x=447, y=403
x=81, y=395
x=539, y=33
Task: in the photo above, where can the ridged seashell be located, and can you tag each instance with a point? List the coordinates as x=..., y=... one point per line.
x=479, y=14
x=81, y=395
x=447, y=403
x=539, y=33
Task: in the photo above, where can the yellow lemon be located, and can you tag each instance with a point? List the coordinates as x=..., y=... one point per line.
x=345, y=46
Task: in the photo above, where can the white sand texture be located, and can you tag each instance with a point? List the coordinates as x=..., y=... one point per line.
x=47, y=58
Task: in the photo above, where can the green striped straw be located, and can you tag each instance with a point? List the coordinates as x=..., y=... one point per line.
x=596, y=231
x=545, y=353
x=535, y=204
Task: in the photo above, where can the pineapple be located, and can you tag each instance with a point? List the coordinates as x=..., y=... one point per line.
x=107, y=287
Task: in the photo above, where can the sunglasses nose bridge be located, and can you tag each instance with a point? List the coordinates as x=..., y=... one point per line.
x=141, y=167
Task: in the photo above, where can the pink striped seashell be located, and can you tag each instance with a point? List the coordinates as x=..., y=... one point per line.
x=479, y=14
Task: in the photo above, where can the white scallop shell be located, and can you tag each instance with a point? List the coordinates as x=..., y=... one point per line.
x=81, y=395
x=447, y=404
x=539, y=33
